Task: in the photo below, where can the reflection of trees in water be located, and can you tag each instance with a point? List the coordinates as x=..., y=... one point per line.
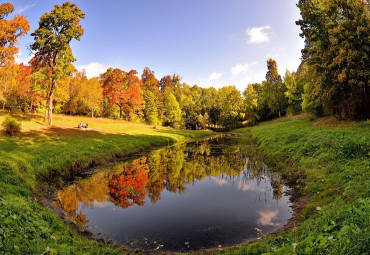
x=67, y=200
x=127, y=183
x=172, y=169
x=256, y=169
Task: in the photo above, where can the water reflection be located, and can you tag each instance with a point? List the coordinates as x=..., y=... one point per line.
x=210, y=193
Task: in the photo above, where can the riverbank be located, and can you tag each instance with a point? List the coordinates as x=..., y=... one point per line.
x=327, y=162
x=42, y=154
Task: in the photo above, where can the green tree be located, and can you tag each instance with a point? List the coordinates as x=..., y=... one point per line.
x=51, y=47
x=274, y=90
x=251, y=98
x=153, y=101
x=293, y=93
x=230, y=104
x=150, y=108
x=173, y=112
x=312, y=100
x=336, y=34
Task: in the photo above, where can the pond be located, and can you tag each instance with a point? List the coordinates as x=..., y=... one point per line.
x=186, y=197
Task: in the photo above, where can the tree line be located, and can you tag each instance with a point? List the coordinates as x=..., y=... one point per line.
x=331, y=79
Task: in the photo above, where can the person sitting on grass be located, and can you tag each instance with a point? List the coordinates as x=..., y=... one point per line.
x=81, y=125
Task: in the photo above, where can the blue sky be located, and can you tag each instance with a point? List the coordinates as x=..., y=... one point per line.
x=207, y=42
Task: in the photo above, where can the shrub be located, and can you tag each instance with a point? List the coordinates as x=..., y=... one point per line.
x=9, y=121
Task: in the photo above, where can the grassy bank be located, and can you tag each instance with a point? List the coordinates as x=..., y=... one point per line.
x=328, y=162
x=41, y=153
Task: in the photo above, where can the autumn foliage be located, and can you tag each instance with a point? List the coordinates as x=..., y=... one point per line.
x=123, y=89
x=10, y=31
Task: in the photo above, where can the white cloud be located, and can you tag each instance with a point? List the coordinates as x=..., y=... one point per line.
x=242, y=68
x=25, y=8
x=20, y=60
x=248, y=186
x=267, y=217
x=219, y=181
x=258, y=35
x=273, y=56
x=93, y=69
x=214, y=76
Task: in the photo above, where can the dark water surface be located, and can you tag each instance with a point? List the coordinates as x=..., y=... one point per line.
x=190, y=196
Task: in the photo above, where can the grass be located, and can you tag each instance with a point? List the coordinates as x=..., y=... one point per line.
x=328, y=162
x=40, y=153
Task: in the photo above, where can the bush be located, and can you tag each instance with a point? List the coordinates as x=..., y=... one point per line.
x=9, y=121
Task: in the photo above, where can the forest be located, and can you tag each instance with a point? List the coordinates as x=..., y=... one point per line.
x=325, y=83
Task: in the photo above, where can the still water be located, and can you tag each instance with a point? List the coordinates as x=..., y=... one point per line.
x=190, y=196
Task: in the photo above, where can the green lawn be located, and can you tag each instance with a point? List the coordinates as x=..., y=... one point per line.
x=329, y=164
x=39, y=154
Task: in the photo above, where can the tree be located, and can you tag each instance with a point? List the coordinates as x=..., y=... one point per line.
x=293, y=93
x=336, y=34
x=172, y=110
x=251, y=102
x=152, y=97
x=150, y=109
x=92, y=95
x=230, y=103
x=171, y=82
x=274, y=89
x=51, y=47
x=7, y=81
x=76, y=84
x=10, y=31
x=149, y=81
x=123, y=89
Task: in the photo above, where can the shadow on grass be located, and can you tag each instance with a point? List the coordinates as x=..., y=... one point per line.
x=23, y=116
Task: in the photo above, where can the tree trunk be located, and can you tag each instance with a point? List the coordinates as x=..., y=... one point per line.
x=120, y=112
x=50, y=111
x=92, y=113
x=4, y=105
x=50, y=103
x=46, y=109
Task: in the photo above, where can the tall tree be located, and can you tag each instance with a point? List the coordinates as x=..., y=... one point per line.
x=51, y=47
x=274, y=89
x=152, y=96
x=336, y=34
x=10, y=31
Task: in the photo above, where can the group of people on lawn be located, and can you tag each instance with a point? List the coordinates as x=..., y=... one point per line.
x=83, y=125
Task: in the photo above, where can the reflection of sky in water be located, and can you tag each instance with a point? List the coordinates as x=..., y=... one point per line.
x=209, y=211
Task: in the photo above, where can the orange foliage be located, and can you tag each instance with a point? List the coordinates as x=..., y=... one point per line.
x=123, y=89
x=10, y=31
x=128, y=187
x=25, y=91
